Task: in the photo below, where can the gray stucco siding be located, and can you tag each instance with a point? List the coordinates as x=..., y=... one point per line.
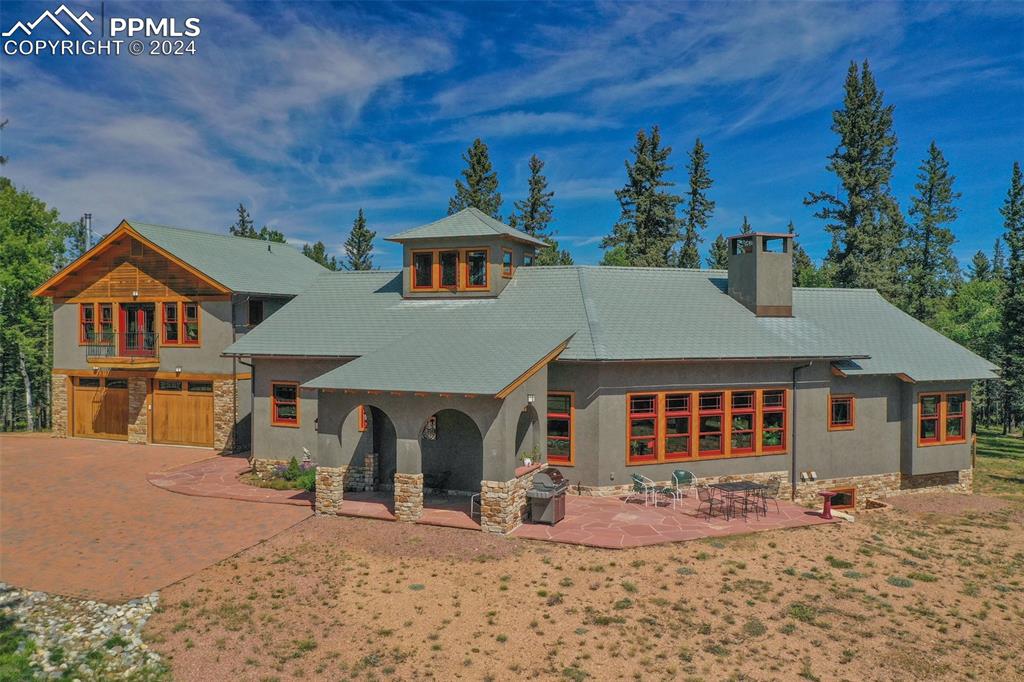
x=216, y=334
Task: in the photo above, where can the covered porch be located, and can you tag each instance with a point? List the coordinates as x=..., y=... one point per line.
x=417, y=429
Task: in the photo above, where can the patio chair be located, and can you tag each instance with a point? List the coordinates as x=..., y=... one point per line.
x=683, y=479
x=771, y=492
x=642, y=486
x=706, y=498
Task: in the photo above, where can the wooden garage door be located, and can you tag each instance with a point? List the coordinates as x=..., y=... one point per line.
x=100, y=408
x=183, y=412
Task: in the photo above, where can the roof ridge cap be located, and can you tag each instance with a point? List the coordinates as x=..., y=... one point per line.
x=193, y=230
x=590, y=313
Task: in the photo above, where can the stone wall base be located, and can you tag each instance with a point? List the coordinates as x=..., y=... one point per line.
x=59, y=405
x=364, y=476
x=868, y=487
x=224, y=437
x=330, y=489
x=264, y=468
x=408, y=496
x=503, y=504
x=138, y=410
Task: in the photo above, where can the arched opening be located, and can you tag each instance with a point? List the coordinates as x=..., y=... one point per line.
x=527, y=435
x=452, y=452
x=374, y=450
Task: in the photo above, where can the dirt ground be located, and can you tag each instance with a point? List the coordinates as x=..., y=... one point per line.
x=928, y=590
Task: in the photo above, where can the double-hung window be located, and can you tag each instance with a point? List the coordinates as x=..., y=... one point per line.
x=742, y=432
x=942, y=418
x=190, y=323
x=106, y=322
x=773, y=420
x=677, y=426
x=643, y=427
x=284, y=408
x=560, y=413
x=170, y=324
x=930, y=418
x=841, y=413
x=86, y=322
x=710, y=422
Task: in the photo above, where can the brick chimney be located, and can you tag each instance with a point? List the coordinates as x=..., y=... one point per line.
x=761, y=272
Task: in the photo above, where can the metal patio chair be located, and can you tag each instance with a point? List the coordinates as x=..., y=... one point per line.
x=706, y=498
x=645, y=487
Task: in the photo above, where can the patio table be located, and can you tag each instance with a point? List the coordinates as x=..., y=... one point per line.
x=733, y=489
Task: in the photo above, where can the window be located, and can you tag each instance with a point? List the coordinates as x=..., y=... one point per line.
x=710, y=423
x=956, y=404
x=840, y=413
x=643, y=428
x=742, y=422
x=680, y=425
x=137, y=249
x=362, y=418
x=450, y=269
x=942, y=418
x=200, y=387
x=255, y=312
x=506, y=263
x=423, y=270
x=929, y=419
x=773, y=421
x=107, y=322
x=560, y=428
x=677, y=426
x=168, y=385
x=170, y=325
x=284, y=404
x=476, y=266
x=87, y=322
x=844, y=498
x=116, y=383
x=527, y=259
x=190, y=323
x=90, y=382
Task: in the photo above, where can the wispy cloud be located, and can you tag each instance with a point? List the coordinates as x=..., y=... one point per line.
x=523, y=123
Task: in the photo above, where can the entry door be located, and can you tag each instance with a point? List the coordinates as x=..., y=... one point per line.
x=137, y=323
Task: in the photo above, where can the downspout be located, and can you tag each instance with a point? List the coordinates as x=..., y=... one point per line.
x=792, y=455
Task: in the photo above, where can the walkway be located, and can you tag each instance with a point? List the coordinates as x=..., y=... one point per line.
x=218, y=477
x=78, y=517
x=613, y=524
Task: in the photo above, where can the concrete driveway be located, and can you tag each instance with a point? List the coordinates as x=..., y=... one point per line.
x=78, y=517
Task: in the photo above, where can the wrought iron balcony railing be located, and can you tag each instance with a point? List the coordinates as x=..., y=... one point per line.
x=123, y=345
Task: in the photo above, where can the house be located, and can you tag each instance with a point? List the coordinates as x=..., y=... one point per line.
x=447, y=373
x=141, y=321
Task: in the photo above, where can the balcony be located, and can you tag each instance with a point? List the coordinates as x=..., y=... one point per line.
x=124, y=349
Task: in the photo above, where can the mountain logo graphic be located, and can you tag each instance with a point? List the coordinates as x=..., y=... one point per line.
x=68, y=15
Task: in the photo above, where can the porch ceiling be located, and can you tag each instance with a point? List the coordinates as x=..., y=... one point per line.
x=450, y=360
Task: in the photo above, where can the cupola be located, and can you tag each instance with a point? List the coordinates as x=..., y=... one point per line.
x=465, y=255
x=761, y=272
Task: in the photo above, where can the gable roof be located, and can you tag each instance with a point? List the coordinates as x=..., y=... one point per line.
x=616, y=314
x=476, y=361
x=228, y=263
x=469, y=222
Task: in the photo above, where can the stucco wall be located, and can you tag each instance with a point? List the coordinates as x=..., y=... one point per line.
x=215, y=336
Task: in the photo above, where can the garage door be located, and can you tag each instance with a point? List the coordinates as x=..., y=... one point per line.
x=183, y=412
x=100, y=408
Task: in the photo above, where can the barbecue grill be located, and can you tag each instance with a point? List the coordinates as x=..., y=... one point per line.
x=547, y=496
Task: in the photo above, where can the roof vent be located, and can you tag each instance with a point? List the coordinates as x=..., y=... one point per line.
x=761, y=272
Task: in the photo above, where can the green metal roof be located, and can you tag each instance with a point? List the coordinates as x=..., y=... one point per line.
x=469, y=222
x=616, y=314
x=487, y=361
x=242, y=265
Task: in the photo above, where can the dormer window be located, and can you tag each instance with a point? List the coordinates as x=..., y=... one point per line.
x=449, y=269
x=423, y=270
x=527, y=259
x=442, y=269
x=506, y=263
x=476, y=269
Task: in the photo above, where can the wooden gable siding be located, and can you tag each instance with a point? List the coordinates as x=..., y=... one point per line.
x=115, y=274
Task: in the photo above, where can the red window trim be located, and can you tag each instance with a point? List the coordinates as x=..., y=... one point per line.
x=676, y=413
x=86, y=328
x=362, y=418
x=769, y=409
x=631, y=416
x=962, y=414
x=275, y=402
x=842, y=426
x=164, y=306
x=942, y=417
x=701, y=413
x=922, y=418
x=434, y=275
x=571, y=438
x=185, y=321
x=752, y=412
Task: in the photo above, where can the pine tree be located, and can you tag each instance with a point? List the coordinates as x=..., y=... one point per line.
x=648, y=227
x=932, y=270
x=698, y=207
x=318, y=253
x=481, y=187
x=865, y=221
x=745, y=227
x=718, y=257
x=244, y=227
x=535, y=215
x=359, y=245
x=1013, y=302
x=803, y=266
x=981, y=268
x=998, y=260
x=78, y=242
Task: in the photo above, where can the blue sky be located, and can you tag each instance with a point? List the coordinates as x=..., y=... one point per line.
x=307, y=111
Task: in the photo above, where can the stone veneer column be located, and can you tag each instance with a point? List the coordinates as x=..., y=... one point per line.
x=967, y=481
x=59, y=405
x=224, y=415
x=503, y=503
x=330, y=489
x=408, y=496
x=138, y=410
